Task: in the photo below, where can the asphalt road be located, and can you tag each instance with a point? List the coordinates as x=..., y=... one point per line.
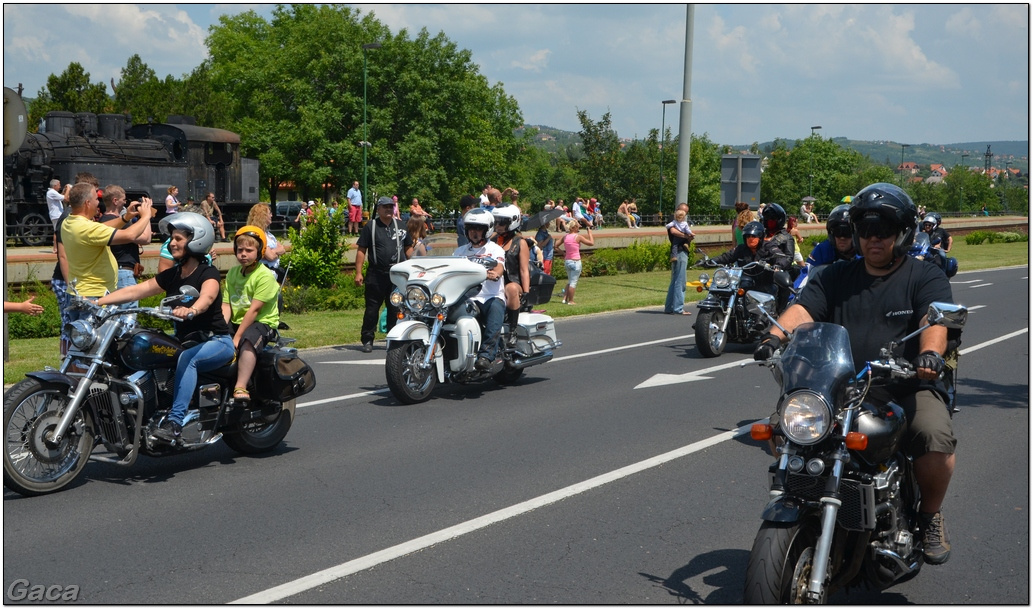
x=591, y=481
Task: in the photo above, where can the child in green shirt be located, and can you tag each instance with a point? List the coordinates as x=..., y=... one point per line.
x=249, y=304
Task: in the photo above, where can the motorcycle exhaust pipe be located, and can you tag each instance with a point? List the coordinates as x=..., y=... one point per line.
x=541, y=358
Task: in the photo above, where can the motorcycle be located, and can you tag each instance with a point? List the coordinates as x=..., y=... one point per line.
x=723, y=313
x=923, y=249
x=437, y=336
x=843, y=508
x=115, y=387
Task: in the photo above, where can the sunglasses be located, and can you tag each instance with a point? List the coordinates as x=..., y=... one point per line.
x=879, y=230
x=843, y=232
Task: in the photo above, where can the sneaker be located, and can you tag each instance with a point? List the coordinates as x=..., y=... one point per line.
x=367, y=347
x=936, y=544
x=169, y=431
x=482, y=363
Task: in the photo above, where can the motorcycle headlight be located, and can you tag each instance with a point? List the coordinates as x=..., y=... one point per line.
x=437, y=300
x=722, y=279
x=805, y=417
x=416, y=298
x=81, y=334
x=704, y=278
x=396, y=299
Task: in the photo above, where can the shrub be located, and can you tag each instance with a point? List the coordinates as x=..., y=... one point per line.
x=44, y=325
x=984, y=236
x=317, y=251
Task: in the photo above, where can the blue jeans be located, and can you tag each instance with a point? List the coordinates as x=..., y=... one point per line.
x=209, y=355
x=493, y=313
x=126, y=278
x=675, y=302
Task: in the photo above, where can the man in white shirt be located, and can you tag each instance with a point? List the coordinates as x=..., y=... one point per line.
x=479, y=226
x=56, y=201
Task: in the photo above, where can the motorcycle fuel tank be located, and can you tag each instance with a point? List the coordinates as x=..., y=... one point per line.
x=150, y=350
x=884, y=425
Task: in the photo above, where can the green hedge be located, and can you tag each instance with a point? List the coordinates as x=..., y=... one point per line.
x=48, y=323
x=980, y=237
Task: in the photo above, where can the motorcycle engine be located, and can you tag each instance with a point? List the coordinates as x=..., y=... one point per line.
x=893, y=530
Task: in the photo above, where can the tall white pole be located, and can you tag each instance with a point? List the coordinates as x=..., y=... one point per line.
x=685, y=116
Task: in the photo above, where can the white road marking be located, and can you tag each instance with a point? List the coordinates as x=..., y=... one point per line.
x=981, y=285
x=351, y=567
x=993, y=341
x=359, y=362
x=658, y=380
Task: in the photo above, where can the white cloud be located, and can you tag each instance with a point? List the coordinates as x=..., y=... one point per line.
x=536, y=62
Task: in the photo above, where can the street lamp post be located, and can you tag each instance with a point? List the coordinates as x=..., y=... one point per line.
x=663, y=142
x=961, y=201
x=902, y=147
x=365, y=138
x=810, y=176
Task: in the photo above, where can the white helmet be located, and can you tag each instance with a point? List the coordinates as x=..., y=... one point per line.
x=196, y=226
x=479, y=217
x=507, y=218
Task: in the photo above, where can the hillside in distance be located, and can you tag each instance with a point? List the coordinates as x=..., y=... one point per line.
x=885, y=152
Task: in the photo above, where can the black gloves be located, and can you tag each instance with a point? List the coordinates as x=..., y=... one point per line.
x=767, y=347
x=931, y=360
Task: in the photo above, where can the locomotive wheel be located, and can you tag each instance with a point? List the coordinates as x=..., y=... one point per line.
x=33, y=465
x=710, y=340
x=36, y=230
x=780, y=564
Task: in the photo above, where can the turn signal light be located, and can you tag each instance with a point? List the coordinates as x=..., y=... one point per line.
x=761, y=431
x=699, y=288
x=741, y=292
x=856, y=441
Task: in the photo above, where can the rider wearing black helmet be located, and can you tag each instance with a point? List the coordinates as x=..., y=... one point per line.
x=755, y=249
x=880, y=297
x=840, y=243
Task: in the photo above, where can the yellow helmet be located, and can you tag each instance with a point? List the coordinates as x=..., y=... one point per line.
x=252, y=231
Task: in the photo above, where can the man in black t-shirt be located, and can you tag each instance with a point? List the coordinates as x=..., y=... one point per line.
x=881, y=297
x=387, y=242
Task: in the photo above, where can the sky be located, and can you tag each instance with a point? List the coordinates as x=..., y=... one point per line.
x=911, y=73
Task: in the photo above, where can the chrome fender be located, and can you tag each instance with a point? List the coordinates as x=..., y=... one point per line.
x=417, y=330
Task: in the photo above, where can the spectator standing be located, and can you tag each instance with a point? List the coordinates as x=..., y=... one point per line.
x=127, y=255
x=394, y=212
x=56, y=202
x=171, y=202
x=571, y=246
x=90, y=261
x=494, y=199
x=678, y=243
x=547, y=245
x=675, y=303
x=417, y=229
x=467, y=203
x=743, y=216
x=794, y=232
x=387, y=243
x=59, y=285
x=484, y=195
x=354, y=208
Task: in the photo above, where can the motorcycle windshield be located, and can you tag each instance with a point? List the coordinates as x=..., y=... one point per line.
x=817, y=358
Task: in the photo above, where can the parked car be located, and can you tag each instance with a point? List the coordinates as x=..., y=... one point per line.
x=286, y=216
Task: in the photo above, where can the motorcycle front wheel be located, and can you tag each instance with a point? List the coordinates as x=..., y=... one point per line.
x=33, y=465
x=260, y=435
x=710, y=340
x=408, y=381
x=780, y=564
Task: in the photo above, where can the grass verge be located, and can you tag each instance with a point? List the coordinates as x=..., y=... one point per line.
x=594, y=295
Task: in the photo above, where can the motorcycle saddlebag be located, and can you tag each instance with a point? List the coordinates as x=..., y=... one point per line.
x=282, y=376
x=541, y=287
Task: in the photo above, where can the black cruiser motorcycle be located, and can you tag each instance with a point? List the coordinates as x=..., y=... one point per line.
x=115, y=388
x=843, y=507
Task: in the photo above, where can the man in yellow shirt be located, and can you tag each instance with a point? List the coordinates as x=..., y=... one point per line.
x=90, y=261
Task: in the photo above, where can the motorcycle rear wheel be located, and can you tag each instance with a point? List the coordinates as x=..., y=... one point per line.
x=33, y=466
x=409, y=383
x=710, y=340
x=780, y=564
x=261, y=435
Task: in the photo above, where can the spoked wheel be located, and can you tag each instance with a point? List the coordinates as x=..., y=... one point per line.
x=780, y=564
x=36, y=230
x=33, y=463
x=710, y=340
x=406, y=378
x=261, y=435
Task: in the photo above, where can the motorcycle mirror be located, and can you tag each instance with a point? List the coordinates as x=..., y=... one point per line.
x=783, y=280
x=187, y=294
x=947, y=314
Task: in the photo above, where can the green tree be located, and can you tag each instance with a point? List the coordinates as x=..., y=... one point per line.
x=70, y=91
x=600, y=168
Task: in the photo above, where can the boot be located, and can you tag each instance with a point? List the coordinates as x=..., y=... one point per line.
x=511, y=323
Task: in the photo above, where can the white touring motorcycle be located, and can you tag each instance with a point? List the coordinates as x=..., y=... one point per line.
x=438, y=337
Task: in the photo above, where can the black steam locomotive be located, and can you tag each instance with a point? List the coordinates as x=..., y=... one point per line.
x=145, y=159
